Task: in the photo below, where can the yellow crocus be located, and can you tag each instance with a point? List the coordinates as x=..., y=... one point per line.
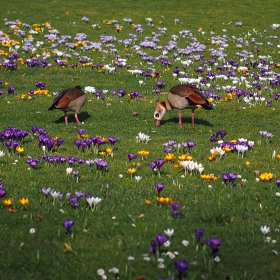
x=102, y=153
x=19, y=149
x=266, y=176
x=185, y=157
x=24, y=201
x=247, y=163
x=169, y=157
x=7, y=202
x=148, y=202
x=131, y=171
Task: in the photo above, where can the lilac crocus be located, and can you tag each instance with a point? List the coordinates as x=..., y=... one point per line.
x=101, y=163
x=46, y=191
x=214, y=243
x=181, y=266
x=68, y=224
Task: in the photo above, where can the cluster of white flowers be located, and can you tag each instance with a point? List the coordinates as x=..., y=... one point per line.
x=141, y=137
x=90, y=89
x=101, y=272
x=190, y=166
x=93, y=201
x=217, y=151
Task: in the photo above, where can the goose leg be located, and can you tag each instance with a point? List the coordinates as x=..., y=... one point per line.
x=77, y=119
x=180, y=118
x=66, y=119
x=192, y=118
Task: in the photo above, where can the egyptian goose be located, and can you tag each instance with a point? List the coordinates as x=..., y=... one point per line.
x=70, y=99
x=182, y=97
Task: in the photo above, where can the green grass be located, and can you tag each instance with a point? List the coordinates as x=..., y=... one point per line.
x=98, y=240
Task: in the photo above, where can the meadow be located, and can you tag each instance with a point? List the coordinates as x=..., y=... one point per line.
x=118, y=197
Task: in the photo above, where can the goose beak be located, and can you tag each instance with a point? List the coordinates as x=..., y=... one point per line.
x=157, y=122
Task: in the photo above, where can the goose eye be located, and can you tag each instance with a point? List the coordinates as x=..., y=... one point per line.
x=157, y=115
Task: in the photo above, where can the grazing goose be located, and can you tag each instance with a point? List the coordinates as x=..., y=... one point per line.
x=182, y=97
x=70, y=99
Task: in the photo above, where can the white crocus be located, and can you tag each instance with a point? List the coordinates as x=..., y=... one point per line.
x=138, y=179
x=169, y=232
x=2, y=153
x=68, y=171
x=265, y=230
x=90, y=201
x=96, y=201
x=185, y=164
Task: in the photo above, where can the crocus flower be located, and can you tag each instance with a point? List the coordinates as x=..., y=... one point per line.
x=153, y=248
x=174, y=208
x=161, y=239
x=199, y=234
x=46, y=192
x=265, y=230
x=74, y=201
x=277, y=182
x=3, y=192
x=169, y=232
x=214, y=243
x=131, y=156
x=33, y=162
x=112, y=140
x=68, y=224
x=181, y=266
x=96, y=201
x=101, y=164
x=81, y=131
x=159, y=187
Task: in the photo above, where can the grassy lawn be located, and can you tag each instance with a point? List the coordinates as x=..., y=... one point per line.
x=123, y=54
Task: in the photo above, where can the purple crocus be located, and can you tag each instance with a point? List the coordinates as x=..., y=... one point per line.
x=181, y=266
x=131, y=156
x=112, y=140
x=74, y=201
x=190, y=144
x=199, y=234
x=81, y=131
x=159, y=163
x=101, y=163
x=214, y=243
x=153, y=248
x=229, y=178
x=3, y=192
x=68, y=224
x=33, y=162
x=159, y=187
x=161, y=239
x=174, y=208
x=153, y=165
x=277, y=182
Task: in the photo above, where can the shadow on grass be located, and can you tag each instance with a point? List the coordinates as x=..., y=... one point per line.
x=82, y=117
x=186, y=121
